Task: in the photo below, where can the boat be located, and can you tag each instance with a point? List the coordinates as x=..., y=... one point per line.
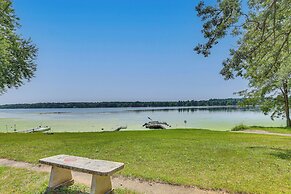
x=36, y=130
x=121, y=127
x=156, y=125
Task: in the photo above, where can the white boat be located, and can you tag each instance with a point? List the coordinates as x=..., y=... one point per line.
x=37, y=129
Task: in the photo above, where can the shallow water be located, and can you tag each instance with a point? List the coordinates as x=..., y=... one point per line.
x=96, y=119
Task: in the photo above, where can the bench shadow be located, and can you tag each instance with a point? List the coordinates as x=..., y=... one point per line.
x=64, y=190
x=284, y=154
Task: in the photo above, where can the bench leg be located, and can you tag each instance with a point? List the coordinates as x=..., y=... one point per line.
x=60, y=177
x=101, y=185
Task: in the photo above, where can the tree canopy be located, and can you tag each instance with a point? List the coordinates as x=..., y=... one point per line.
x=262, y=54
x=17, y=55
x=210, y=102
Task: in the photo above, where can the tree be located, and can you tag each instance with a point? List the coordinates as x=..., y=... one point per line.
x=262, y=54
x=17, y=55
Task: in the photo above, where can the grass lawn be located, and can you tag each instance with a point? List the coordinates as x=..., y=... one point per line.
x=13, y=180
x=272, y=129
x=21, y=181
x=284, y=130
x=208, y=159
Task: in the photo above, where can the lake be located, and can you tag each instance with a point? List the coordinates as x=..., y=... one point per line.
x=96, y=119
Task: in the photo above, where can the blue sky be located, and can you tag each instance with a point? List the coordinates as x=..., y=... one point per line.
x=112, y=50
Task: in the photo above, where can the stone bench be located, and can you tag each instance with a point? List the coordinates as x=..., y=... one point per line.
x=101, y=171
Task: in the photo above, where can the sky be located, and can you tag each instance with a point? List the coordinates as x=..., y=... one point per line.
x=112, y=50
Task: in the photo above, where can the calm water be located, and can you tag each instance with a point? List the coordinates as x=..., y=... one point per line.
x=94, y=119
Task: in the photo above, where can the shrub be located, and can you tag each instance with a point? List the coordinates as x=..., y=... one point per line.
x=240, y=127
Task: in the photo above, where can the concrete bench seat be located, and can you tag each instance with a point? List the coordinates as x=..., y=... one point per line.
x=101, y=171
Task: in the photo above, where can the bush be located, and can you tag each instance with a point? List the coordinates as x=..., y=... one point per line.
x=240, y=127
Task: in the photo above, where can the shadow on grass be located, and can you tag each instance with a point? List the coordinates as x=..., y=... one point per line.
x=65, y=190
x=284, y=154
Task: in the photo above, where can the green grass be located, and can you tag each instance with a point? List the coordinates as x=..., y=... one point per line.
x=273, y=129
x=14, y=180
x=22, y=181
x=284, y=130
x=208, y=159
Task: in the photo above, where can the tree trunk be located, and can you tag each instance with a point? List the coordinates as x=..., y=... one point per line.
x=286, y=101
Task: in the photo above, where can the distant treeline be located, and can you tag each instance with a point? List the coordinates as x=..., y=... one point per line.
x=211, y=102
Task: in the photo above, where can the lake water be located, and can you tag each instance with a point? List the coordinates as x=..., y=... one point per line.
x=95, y=119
